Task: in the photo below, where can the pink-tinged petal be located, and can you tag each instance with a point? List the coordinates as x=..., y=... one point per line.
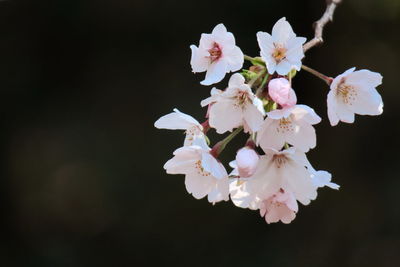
x=198, y=185
x=224, y=116
x=269, y=136
x=220, y=192
x=253, y=117
x=215, y=73
x=236, y=81
x=176, y=121
x=280, y=91
x=211, y=165
x=303, y=137
x=282, y=31
x=247, y=161
x=199, y=60
x=367, y=78
x=278, y=114
x=301, y=184
x=215, y=94
x=338, y=79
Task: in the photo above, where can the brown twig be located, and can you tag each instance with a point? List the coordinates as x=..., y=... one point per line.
x=320, y=24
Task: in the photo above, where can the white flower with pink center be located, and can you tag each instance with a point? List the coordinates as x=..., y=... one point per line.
x=236, y=106
x=282, y=206
x=204, y=174
x=276, y=170
x=281, y=92
x=354, y=92
x=282, y=51
x=180, y=121
x=217, y=54
x=292, y=125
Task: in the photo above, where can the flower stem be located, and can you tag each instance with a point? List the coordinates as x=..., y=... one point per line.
x=323, y=77
x=220, y=146
x=248, y=58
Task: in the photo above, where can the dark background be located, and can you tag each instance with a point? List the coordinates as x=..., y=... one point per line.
x=82, y=182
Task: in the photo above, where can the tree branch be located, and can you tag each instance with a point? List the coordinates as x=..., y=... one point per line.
x=320, y=24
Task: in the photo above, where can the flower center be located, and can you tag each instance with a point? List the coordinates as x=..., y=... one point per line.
x=200, y=169
x=285, y=125
x=191, y=132
x=279, y=53
x=347, y=92
x=215, y=52
x=279, y=160
x=241, y=99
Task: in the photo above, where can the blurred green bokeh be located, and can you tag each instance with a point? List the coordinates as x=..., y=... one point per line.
x=82, y=182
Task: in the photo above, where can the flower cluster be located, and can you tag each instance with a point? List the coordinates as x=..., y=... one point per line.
x=261, y=102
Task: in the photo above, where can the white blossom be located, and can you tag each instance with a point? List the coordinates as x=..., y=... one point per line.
x=180, y=121
x=282, y=51
x=217, y=54
x=276, y=170
x=292, y=125
x=282, y=206
x=353, y=92
x=236, y=106
x=204, y=174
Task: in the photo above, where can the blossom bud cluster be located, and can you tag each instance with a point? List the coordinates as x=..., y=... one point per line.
x=271, y=172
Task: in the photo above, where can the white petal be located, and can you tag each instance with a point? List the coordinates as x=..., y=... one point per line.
x=283, y=67
x=282, y=31
x=199, y=186
x=307, y=114
x=220, y=192
x=176, y=121
x=199, y=60
x=367, y=78
x=236, y=81
x=253, y=117
x=343, y=112
x=367, y=102
x=225, y=117
x=338, y=78
x=303, y=137
x=298, y=180
x=215, y=94
x=234, y=58
x=268, y=137
x=332, y=107
x=215, y=73
x=211, y=165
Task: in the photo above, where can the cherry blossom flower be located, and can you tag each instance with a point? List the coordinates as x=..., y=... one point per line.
x=280, y=91
x=217, y=54
x=276, y=170
x=281, y=206
x=282, y=51
x=353, y=92
x=291, y=125
x=180, y=121
x=204, y=175
x=235, y=107
x=246, y=160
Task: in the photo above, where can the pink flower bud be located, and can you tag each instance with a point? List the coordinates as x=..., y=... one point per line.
x=280, y=91
x=246, y=160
